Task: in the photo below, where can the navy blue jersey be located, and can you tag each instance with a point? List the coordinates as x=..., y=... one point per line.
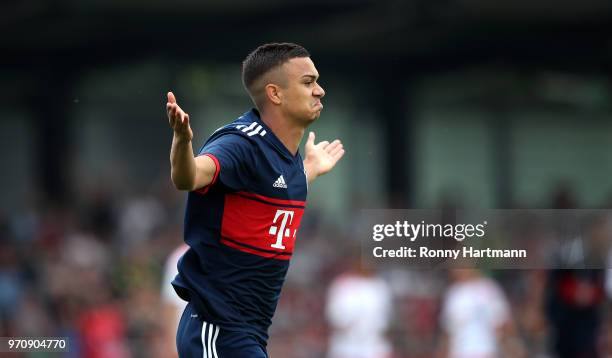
x=241, y=228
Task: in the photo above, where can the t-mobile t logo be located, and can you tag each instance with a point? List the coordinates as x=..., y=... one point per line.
x=283, y=231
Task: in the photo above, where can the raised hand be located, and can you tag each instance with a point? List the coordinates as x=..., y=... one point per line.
x=178, y=119
x=320, y=158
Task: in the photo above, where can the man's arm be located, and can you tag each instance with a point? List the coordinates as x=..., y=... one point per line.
x=322, y=157
x=188, y=172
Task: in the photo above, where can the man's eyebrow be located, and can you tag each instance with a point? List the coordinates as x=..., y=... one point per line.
x=311, y=76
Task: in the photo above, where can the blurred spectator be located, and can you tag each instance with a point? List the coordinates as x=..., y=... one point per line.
x=102, y=331
x=139, y=217
x=11, y=285
x=609, y=276
x=102, y=325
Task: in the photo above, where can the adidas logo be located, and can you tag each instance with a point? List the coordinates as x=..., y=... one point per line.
x=280, y=183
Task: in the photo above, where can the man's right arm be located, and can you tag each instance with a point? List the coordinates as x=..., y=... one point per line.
x=188, y=172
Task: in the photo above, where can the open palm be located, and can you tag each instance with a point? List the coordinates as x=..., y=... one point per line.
x=323, y=156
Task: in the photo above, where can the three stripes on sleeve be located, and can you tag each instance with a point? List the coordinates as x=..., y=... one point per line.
x=253, y=129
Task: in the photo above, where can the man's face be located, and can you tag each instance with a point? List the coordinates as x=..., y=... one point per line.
x=302, y=94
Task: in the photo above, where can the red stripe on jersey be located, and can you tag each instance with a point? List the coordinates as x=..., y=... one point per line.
x=205, y=189
x=272, y=200
x=258, y=227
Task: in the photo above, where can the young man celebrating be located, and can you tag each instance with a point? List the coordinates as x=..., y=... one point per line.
x=247, y=193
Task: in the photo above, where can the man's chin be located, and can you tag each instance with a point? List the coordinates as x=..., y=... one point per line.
x=311, y=118
x=316, y=114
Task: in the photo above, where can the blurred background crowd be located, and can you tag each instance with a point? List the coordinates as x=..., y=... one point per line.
x=96, y=272
x=449, y=103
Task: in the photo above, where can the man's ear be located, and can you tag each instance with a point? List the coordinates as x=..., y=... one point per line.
x=274, y=94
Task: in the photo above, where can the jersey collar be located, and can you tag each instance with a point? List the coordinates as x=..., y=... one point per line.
x=271, y=137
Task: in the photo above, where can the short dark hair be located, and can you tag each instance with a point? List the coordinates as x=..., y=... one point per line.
x=266, y=57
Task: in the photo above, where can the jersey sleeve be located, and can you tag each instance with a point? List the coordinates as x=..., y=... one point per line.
x=235, y=158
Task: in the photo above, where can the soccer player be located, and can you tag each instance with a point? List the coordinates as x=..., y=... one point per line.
x=359, y=313
x=247, y=193
x=172, y=305
x=476, y=319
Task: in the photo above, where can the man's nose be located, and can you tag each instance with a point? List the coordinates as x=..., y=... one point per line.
x=319, y=91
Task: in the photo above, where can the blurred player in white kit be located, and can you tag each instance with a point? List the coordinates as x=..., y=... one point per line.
x=359, y=311
x=476, y=319
x=172, y=303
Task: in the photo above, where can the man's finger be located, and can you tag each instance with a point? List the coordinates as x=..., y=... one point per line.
x=323, y=144
x=171, y=108
x=335, y=150
x=177, y=112
x=171, y=97
x=332, y=146
x=338, y=155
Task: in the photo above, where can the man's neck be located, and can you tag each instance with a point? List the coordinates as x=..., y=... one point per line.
x=287, y=131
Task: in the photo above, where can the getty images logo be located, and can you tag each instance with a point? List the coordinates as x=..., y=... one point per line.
x=282, y=231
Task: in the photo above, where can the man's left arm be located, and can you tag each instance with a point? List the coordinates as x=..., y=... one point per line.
x=320, y=158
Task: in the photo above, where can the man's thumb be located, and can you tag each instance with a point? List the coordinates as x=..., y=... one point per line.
x=311, y=138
